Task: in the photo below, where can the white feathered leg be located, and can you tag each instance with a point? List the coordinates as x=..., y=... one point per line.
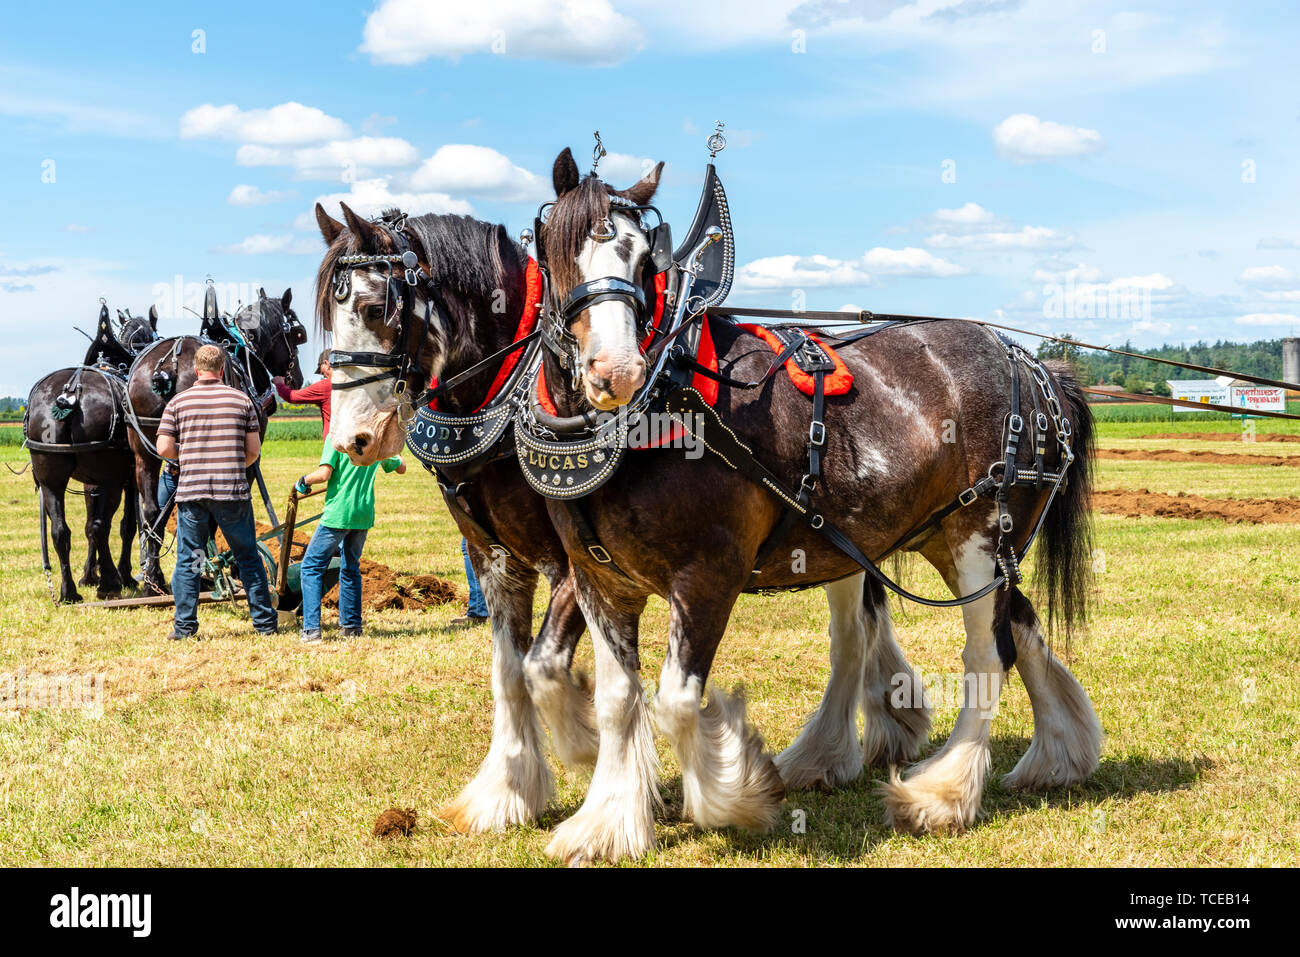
x=894, y=702
x=617, y=818
x=1068, y=738
x=513, y=784
x=942, y=793
x=727, y=777
x=827, y=753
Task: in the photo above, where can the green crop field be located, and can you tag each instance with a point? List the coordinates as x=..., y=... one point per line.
x=248, y=750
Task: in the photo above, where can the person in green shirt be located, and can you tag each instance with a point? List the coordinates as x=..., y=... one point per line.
x=348, y=516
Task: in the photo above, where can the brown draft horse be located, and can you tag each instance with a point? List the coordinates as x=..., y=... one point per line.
x=480, y=272
x=923, y=422
x=166, y=369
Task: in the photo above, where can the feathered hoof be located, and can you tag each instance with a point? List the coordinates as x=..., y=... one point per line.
x=802, y=766
x=606, y=833
x=491, y=803
x=925, y=807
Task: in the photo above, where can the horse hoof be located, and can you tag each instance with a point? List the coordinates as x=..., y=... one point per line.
x=153, y=588
x=129, y=583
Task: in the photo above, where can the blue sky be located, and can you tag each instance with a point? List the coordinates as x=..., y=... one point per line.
x=1117, y=170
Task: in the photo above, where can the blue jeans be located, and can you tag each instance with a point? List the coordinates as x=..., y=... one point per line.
x=477, y=604
x=167, y=488
x=325, y=543
x=235, y=519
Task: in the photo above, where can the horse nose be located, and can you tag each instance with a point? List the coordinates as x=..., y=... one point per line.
x=618, y=375
x=360, y=441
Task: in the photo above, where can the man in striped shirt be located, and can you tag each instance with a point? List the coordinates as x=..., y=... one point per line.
x=215, y=432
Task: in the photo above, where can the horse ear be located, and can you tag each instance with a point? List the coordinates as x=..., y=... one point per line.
x=564, y=174
x=286, y=299
x=210, y=310
x=329, y=227
x=103, y=314
x=261, y=293
x=153, y=317
x=363, y=230
x=644, y=188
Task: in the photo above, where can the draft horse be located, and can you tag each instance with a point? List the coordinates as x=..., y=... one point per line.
x=917, y=456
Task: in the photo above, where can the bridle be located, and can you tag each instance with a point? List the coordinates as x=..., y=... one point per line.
x=399, y=300
x=558, y=315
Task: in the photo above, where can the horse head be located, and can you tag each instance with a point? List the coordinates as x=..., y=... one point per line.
x=462, y=302
x=602, y=261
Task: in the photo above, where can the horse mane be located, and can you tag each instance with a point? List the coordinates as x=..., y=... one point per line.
x=463, y=254
x=568, y=227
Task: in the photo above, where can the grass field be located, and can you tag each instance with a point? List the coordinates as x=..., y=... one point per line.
x=248, y=750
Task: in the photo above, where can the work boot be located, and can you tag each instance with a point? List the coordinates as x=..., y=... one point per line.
x=310, y=637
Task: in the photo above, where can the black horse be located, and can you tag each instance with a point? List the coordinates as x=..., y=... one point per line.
x=75, y=429
x=262, y=341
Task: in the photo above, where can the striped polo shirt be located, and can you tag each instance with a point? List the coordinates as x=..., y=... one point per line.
x=209, y=421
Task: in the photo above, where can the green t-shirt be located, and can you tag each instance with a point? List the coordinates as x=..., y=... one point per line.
x=350, y=495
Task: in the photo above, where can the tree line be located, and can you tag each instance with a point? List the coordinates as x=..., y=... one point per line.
x=1262, y=358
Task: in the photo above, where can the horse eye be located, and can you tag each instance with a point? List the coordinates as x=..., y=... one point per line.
x=374, y=313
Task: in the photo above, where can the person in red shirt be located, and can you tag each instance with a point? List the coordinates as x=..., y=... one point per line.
x=318, y=393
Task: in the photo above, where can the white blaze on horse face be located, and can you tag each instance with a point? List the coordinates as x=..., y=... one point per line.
x=610, y=354
x=364, y=421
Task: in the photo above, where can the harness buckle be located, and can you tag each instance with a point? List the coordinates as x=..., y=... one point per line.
x=967, y=497
x=817, y=521
x=1015, y=424
x=500, y=551
x=598, y=552
x=399, y=388
x=1005, y=522
x=817, y=433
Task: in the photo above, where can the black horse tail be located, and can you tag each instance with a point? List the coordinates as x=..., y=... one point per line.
x=1065, y=557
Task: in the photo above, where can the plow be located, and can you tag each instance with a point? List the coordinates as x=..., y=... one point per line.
x=274, y=547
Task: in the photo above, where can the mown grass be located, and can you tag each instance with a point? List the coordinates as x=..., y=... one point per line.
x=242, y=749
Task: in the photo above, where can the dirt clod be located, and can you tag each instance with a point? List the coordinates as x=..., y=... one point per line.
x=395, y=822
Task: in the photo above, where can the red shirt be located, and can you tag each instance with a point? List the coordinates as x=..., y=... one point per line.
x=318, y=393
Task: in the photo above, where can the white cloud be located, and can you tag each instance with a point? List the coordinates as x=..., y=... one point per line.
x=478, y=171
x=369, y=197
x=289, y=124
x=1268, y=319
x=623, y=169
x=910, y=261
x=261, y=244
x=1079, y=273
x=404, y=32
x=1267, y=276
x=1023, y=138
x=1281, y=295
x=971, y=214
x=77, y=228
x=1028, y=237
x=794, y=272
x=245, y=195
x=1277, y=242
x=360, y=158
